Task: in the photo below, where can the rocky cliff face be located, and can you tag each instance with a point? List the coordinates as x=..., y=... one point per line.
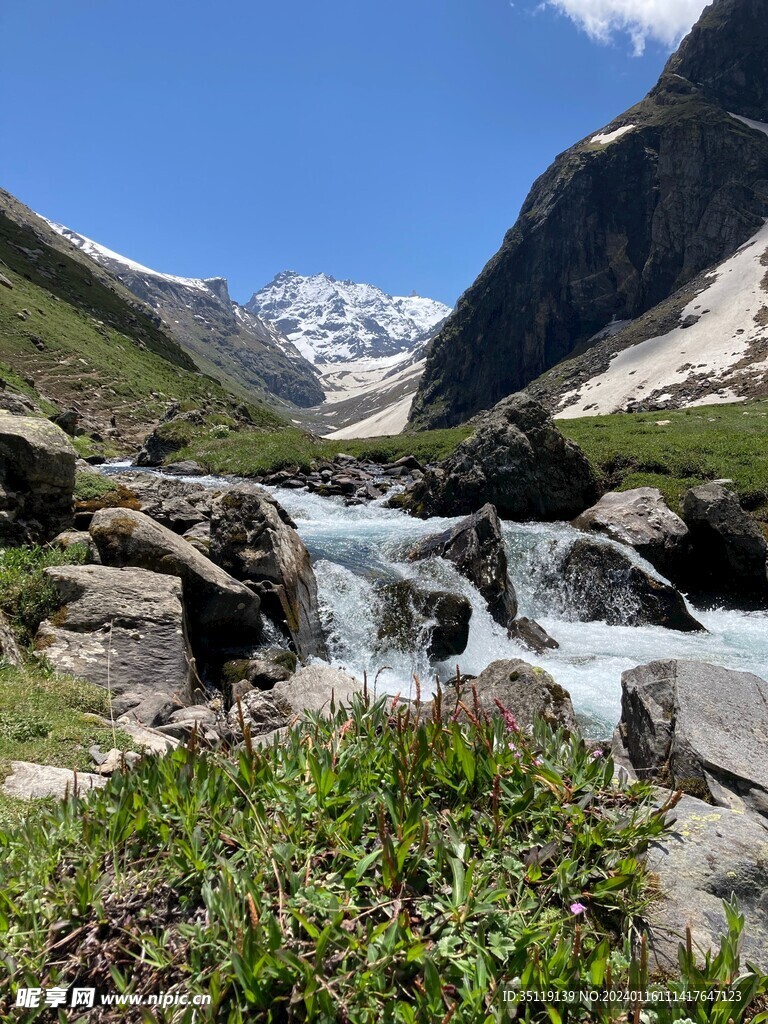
x=619, y=222
x=226, y=340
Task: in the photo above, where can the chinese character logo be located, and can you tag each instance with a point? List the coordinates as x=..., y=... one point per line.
x=28, y=997
x=55, y=996
x=83, y=997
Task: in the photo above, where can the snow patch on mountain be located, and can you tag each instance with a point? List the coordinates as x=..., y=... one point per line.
x=339, y=321
x=717, y=353
x=605, y=138
x=759, y=126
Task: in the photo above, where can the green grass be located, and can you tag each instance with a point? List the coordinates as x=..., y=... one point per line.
x=100, y=350
x=366, y=868
x=700, y=444
x=252, y=452
x=26, y=595
x=48, y=719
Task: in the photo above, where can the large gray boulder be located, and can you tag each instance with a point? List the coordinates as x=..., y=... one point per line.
x=641, y=519
x=412, y=617
x=699, y=728
x=29, y=781
x=518, y=461
x=712, y=855
x=729, y=551
x=602, y=584
x=476, y=548
x=122, y=629
x=528, y=692
x=220, y=610
x=37, y=479
x=311, y=690
x=253, y=538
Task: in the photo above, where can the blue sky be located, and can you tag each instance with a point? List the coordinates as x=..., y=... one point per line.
x=392, y=143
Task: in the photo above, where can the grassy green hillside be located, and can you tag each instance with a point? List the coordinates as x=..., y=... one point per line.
x=73, y=335
x=677, y=450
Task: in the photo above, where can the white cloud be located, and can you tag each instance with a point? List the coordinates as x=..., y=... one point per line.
x=665, y=21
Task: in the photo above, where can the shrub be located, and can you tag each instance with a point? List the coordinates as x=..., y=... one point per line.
x=89, y=486
x=26, y=595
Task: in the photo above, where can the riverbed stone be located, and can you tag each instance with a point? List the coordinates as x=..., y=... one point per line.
x=476, y=548
x=29, y=781
x=641, y=519
x=729, y=552
x=313, y=689
x=603, y=584
x=713, y=854
x=121, y=629
x=253, y=538
x=221, y=610
x=699, y=728
x=526, y=691
x=268, y=666
x=412, y=616
x=181, y=505
x=532, y=636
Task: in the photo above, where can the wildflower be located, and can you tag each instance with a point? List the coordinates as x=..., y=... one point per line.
x=596, y=755
x=578, y=908
x=509, y=719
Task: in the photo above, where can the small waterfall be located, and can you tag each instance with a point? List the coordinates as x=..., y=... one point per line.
x=356, y=550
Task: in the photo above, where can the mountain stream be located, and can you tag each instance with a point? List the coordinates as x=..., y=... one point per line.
x=355, y=549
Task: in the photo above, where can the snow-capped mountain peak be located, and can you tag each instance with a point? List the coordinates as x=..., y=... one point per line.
x=333, y=321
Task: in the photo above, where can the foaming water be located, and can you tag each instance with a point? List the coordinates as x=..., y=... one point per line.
x=355, y=548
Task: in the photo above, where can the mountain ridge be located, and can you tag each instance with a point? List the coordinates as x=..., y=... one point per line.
x=248, y=354
x=73, y=338
x=668, y=189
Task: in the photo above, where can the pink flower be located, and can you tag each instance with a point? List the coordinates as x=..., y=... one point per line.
x=578, y=908
x=596, y=755
x=509, y=719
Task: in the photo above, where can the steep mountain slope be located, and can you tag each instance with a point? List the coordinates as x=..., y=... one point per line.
x=338, y=321
x=73, y=337
x=619, y=223
x=224, y=338
x=707, y=344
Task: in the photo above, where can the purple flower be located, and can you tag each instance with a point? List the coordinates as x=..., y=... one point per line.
x=578, y=908
x=509, y=719
x=596, y=755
